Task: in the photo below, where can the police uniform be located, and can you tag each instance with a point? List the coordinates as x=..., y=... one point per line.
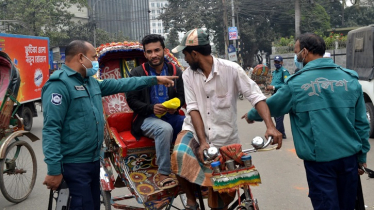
x=73, y=129
x=330, y=129
x=279, y=76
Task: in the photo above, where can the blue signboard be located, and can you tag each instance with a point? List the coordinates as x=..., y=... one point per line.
x=233, y=33
x=231, y=48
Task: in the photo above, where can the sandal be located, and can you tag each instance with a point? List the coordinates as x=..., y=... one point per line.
x=195, y=207
x=161, y=184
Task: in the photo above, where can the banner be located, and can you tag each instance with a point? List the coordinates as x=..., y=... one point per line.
x=30, y=56
x=233, y=56
x=233, y=33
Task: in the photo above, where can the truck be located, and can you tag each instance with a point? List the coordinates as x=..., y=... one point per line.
x=360, y=57
x=30, y=55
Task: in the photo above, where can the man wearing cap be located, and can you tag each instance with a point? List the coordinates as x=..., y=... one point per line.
x=280, y=75
x=211, y=87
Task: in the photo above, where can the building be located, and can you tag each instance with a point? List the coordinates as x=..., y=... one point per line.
x=79, y=15
x=128, y=17
x=156, y=7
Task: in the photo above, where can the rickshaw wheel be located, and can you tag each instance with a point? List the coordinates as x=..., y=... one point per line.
x=18, y=172
x=105, y=198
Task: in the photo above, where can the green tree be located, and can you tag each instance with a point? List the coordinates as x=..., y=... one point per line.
x=172, y=40
x=314, y=19
x=359, y=16
x=41, y=17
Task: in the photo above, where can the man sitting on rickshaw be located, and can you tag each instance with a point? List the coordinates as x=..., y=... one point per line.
x=147, y=106
x=211, y=86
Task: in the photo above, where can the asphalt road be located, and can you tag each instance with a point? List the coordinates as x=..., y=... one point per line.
x=283, y=187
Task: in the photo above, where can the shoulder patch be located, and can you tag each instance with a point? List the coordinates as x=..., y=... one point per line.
x=56, y=99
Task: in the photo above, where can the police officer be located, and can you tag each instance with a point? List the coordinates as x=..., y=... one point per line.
x=74, y=125
x=280, y=75
x=329, y=124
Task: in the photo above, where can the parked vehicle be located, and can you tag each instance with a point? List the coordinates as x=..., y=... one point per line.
x=30, y=55
x=360, y=57
x=17, y=159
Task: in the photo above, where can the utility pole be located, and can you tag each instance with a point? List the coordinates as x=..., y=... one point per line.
x=225, y=29
x=233, y=20
x=297, y=18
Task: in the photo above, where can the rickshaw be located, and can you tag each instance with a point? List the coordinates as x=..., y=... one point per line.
x=261, y=74
x=17, y=159
x=133, y=160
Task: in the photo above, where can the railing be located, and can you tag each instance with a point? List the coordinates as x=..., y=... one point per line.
x=290, y=49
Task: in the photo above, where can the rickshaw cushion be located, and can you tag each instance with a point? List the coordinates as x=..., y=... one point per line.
x=121, y=121
x=120, y=126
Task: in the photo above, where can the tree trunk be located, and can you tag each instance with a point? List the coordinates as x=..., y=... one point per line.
x=297, y=18
x=225, y=28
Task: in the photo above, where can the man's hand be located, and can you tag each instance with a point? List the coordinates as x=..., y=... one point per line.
x=166, y=80
x=52, y=182
x=159, y=109
x=245, y=116
x=200, y=152
x=171, y=111
x=360, y=171
x=269, y=87
x=277, y=136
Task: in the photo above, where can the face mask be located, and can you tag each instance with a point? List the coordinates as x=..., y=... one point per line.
x=93, y=70
x=298, y=64
x=278, y=65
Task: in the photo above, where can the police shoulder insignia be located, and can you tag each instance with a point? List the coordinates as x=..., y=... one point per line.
x=285, y=77
x=56, y=99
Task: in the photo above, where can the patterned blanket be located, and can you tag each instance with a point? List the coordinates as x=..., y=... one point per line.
x=184, y=155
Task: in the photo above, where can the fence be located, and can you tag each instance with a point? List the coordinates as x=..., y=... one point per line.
x=338, y=55
x=329, y=46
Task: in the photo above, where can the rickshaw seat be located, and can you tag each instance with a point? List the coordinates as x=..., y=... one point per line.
x=120, y=126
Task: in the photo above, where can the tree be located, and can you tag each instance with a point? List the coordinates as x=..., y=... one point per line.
x=314, y=19
x=172, y=40
x=359, y=16
x=41, y=17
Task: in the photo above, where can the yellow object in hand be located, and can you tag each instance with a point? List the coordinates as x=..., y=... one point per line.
x=170, y=104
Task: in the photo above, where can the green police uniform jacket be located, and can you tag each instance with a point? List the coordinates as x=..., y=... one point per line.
x=279, y=77
x=327, y=112
x=73, y=128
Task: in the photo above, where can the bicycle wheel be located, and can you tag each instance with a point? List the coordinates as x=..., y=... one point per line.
x=18, y=172
x=105, y=198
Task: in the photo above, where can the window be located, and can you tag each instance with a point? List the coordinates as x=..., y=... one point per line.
x=158, y=12
x=152, y=4
x=153, y=17
x=161, y=4
x=154, y=31
x=159, y=30
x=166, y=4
x=158, y=4
x=153, y=11
x=159, y=24
x=153, y=24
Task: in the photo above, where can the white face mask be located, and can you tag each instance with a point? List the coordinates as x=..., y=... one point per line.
x=299, y=64
x=93, y=70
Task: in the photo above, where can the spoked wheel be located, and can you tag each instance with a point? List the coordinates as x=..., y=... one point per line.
x=105, y=198
x=18, y=172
